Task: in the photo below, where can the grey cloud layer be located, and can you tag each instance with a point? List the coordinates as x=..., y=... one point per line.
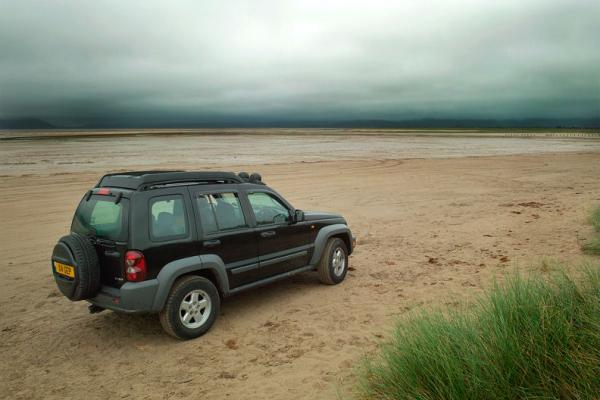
x=75, y=60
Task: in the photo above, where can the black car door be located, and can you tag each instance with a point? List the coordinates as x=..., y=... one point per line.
x=282, y=245
x=224, y=230
x=166, y=231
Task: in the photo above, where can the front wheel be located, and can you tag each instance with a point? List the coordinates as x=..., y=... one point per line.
x=191, y=308
x=333, y=265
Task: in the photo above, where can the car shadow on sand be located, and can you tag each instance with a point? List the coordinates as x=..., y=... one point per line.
x=110, y=326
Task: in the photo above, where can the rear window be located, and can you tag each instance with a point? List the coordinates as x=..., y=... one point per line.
x=100, y=215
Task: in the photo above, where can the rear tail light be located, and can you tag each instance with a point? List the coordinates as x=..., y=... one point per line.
x=103, y=191
x=135, y=265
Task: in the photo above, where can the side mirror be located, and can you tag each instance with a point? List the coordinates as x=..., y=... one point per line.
x=298, y=216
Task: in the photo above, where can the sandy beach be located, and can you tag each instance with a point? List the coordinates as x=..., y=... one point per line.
x=436, y=218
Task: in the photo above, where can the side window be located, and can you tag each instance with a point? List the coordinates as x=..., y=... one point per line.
x=167, y=217
x=267, y=209
x=220, y=212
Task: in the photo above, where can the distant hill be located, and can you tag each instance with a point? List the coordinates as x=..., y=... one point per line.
x=469, y=123
x=423, y=123
x=25, y=123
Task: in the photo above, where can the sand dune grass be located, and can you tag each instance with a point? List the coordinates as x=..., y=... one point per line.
x=527, y=338
x=593, y=246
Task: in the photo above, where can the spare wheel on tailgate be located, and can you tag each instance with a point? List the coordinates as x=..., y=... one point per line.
x=75, y=267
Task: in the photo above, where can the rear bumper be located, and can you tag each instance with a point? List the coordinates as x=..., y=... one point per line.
x=132, y=297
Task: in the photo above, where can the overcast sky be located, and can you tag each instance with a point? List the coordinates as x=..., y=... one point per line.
x=78, y=61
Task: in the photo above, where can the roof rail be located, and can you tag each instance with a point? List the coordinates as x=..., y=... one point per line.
x=144, y=180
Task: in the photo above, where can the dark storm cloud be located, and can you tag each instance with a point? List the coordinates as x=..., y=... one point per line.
x=74, y=61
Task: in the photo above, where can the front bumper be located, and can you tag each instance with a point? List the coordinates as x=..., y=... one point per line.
x=132, y=297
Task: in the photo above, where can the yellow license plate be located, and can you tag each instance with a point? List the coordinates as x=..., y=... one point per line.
x=64, y=269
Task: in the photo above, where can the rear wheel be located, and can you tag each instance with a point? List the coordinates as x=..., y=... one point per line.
x=191, y=308
x=333, y=265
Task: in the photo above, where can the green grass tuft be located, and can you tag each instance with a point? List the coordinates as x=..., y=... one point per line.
x=593, y=246
x=595, y=219
x=528, y=338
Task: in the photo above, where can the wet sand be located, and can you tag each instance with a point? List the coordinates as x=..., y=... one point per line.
x=436, y=219
x=66, y=151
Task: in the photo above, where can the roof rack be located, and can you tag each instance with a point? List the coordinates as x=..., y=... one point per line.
x=144, y=180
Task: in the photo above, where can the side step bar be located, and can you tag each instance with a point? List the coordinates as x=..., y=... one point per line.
x=270, y=279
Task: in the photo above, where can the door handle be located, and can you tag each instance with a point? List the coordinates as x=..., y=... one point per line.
x=268, y=234
x=211, y=243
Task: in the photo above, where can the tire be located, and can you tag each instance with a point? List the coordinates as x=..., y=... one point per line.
x=183, y=290
x=77, y=251
x=331, y=272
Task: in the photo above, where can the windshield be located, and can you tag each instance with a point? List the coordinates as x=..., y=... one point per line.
x=100, y=215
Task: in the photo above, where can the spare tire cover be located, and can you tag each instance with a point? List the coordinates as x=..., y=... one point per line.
x=78, y=252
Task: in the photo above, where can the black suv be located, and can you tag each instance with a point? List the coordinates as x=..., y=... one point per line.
x=175, y=242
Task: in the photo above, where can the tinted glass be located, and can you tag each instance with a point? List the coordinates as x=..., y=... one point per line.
x=267, y=209
x=101, y=216
x=220, y=212
x=208, y=219
x=167, y=217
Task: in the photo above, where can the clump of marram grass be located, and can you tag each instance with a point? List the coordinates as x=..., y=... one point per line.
x=593, y=246
x=595, y=219
x=527, y=338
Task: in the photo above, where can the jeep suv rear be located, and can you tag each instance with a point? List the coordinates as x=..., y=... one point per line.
x=175, y=243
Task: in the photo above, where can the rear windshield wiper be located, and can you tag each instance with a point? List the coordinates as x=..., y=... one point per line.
x=106, y=242
x=91, y=234
x=101, y=241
